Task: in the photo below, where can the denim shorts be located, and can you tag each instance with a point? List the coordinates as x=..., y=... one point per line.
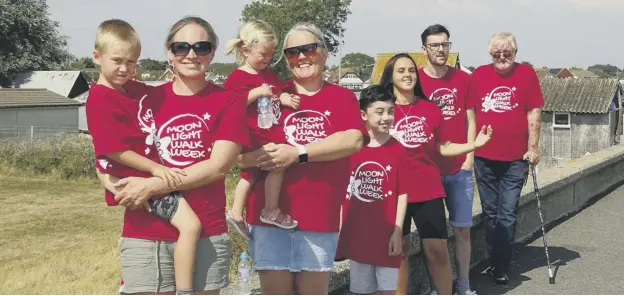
x=459, y=190
x=273, y=248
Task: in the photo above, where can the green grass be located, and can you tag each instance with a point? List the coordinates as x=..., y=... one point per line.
x=57, y=236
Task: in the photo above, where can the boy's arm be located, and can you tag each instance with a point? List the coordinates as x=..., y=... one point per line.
x=133, y=160
x=400, y=215
x=107, y=181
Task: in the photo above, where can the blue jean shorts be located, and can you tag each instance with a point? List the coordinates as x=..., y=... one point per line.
x=273, y=248
x=459, y=190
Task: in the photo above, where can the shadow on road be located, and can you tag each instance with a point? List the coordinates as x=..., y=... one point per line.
x=525, y=259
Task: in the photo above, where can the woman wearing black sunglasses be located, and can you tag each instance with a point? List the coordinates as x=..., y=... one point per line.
x=199, y=127
x=321, y=134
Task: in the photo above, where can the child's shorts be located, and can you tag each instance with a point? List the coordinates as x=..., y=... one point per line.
x=367, y=279
x=166, y=207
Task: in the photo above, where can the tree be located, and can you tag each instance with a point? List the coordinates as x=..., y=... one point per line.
x=223, y=68
x=362, y=63
x=152, y=65
x=29, y=39
x=605, y=70
x=328, y=15
x=81, y=64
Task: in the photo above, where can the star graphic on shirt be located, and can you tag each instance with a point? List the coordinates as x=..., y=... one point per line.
x=388, y=168
x=389, y=192
x=147, y=150
x=454, y=90
x=327, y=113
x=513, y=88
x=209, y=149
x=424, y=118
x=206, y=116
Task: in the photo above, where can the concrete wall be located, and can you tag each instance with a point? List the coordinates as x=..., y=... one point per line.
x=587, y=133
x=46, y=121
x=563, y=190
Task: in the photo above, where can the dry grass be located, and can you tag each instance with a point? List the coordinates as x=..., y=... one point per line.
x=59, y=237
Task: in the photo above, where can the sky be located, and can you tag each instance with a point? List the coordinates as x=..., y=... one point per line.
x=552, y=33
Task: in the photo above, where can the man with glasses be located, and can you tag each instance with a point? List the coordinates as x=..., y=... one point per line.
x=508, y=96
x=447, y=87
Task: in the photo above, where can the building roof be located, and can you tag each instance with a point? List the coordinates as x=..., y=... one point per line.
x=419, y=58
x=64, y=83
x=580, y=73
x=591, y=95
x=21, y=98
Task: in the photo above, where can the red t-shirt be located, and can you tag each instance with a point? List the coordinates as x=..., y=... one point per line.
x=370, y=208
x=186, y=130
x=116, y=124
x=503, y=102
x=242, y=83
x=312, y=193
x=449, y=93
x=418, y=127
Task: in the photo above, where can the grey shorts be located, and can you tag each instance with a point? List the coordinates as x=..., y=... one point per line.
x=459, y=190
x=147, y=265
x=367, y=279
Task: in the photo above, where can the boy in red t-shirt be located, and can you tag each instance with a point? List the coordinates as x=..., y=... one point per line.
x=113, y=116
x=253, y=79
x=374, y=209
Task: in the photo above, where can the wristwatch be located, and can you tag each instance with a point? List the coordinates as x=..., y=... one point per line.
x=303, y=154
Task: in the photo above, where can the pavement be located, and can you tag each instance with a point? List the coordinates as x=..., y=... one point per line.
x=587, y=250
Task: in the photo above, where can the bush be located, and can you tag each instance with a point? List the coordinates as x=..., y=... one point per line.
x=66, y=156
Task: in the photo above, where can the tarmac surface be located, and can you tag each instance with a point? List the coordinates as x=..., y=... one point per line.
x=586, y=252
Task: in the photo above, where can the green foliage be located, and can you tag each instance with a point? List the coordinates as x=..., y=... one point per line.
x=79, y=64
x=223, y=68
x=361, y=62
x=329, y=15
x=67, y=156
x=29, y=39
x=152, y=65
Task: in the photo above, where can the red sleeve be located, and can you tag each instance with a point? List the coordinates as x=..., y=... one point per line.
x=233, y=123
x=109, y=124
x=239, y=84
x=535, y=98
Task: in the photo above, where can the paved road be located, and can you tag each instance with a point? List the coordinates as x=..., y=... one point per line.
x=590, y=250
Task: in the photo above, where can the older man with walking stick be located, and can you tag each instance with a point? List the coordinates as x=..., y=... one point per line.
x=507, y=95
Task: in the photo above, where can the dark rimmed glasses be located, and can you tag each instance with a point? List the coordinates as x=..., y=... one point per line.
x=308, y=50
x=201, y=48
x=438, y=45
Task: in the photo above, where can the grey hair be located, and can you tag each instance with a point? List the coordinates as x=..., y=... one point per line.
x=503, y=36
x=304, y=27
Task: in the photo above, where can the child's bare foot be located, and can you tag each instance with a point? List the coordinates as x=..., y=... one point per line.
x=277, y=218
x=238, y=223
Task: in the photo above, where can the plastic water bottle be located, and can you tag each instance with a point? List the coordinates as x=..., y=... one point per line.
x=244, y=275
x=265, y=111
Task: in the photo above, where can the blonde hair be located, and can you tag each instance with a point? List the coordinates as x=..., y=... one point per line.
x=212, y=36
x=116, y=30
x=250, y=34
x=503, y=36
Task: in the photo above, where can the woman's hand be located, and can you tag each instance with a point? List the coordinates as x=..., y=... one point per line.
x=277, y=156
x=134, y=192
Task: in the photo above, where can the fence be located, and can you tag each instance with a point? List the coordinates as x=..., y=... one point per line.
x=33, y=132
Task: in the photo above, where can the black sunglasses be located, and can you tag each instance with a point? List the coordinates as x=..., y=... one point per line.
x=201, y=48
x=308, y=50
